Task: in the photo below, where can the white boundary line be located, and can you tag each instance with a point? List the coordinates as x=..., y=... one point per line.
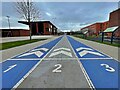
x=29, y=49
x=83, y=70
x=25, y=76
x=95, y=49
x=65, y=58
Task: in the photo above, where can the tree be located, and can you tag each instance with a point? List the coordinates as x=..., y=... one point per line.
x=28, y=11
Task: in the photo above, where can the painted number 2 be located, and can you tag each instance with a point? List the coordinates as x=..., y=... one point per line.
x=108, y=68
x=57, y=69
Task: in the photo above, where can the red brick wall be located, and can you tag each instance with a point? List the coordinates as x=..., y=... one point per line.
x=114, y=18
x=24, y=33
x=47, y=25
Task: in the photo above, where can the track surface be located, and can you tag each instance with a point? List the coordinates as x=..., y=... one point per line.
x=61, y=63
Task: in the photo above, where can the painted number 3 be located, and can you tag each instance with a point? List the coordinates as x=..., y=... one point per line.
x=57, y=69
x=108, y=68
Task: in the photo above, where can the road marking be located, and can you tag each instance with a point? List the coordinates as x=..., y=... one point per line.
x=81, y=48
x=67, y=49
x=108, y=68
x=37, y=53
x=10, y=67
x=84, y=52
x=44, y=49
x=57, y=69
x=61, y=52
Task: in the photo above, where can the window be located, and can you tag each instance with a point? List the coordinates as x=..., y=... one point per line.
x=47, y=29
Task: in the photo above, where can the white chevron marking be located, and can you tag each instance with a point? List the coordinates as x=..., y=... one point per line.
x=61, y=52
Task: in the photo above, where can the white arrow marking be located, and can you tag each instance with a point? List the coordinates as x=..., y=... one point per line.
x=10, y=67
x=67, y=49
x=44, y=49
x=37, y=53
x=61, y=52
x=81, y=48
x=84, y=52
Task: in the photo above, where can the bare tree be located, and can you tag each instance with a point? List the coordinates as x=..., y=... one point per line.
x=28, y=11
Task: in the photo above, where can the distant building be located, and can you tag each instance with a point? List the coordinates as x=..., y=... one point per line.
x=95, y=29
x=42, y=27
x=14, y=32
x=114, y=20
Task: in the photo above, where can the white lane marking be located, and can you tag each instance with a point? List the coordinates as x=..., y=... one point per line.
x=67, y=49
x=10, y=67
x=61, y=52
x=44, y=49
x=37, y=53
x=83, y=69
x=84, y=52
x=108, y=68
x=57, y=69
x=81, y=48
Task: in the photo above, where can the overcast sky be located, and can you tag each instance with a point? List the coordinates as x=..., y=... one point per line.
x=65, y=15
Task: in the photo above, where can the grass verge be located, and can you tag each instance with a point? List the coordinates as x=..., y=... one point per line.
x=17, y=43
x=89, y=38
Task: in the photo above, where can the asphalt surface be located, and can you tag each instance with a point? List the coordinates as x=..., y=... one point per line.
x=61, y=62
x=71, y=75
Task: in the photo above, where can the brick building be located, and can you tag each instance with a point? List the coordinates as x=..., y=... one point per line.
x=14, y=32
x=114, y=20
x=42, y=27
x=96, y=28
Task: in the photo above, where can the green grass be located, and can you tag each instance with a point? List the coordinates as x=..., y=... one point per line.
x=17, y=43
x=90, y=37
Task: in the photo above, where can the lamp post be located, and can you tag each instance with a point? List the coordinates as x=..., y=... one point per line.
x=8, y=21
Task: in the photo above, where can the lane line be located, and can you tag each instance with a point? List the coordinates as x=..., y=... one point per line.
x=15, y=86
x=82, y=68
x=62, y=58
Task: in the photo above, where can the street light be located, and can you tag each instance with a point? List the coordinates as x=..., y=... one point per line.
x=8, y=21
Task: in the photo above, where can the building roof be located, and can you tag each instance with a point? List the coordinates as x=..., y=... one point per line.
x=25, y=22
x=111, y=29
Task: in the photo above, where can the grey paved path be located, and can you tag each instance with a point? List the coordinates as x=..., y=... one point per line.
x=11, y=39
x=71, y=75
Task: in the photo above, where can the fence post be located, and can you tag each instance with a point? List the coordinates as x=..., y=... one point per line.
x=102, y=36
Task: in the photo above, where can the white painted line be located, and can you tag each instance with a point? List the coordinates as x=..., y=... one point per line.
x=37, y=53
x=81, y=48
x=61, y=52
x=26, y=59
x=95, y=58
x=44, y=49
x=83, y=70
x=84, y=52
x=10, y=67
x=67, y=49
x=34, y=67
